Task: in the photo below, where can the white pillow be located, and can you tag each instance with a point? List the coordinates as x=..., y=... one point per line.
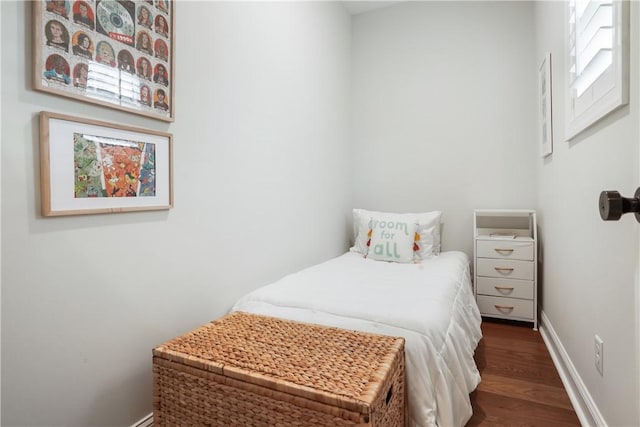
x=392, y=240
x=428, y=229
x=429, y=242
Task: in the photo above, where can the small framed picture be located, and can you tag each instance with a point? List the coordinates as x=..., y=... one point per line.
x=545, y=133
x=92, y=167
x=115, y=53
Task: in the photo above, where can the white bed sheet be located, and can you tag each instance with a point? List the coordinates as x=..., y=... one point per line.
x=430, y=304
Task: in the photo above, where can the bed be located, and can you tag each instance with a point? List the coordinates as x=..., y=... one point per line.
x=428, y=301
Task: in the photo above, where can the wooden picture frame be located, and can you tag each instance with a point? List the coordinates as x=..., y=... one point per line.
x=545, y=133
x=115, y=53
x=93, y=167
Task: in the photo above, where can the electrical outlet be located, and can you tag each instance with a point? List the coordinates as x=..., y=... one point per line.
x=598, y=353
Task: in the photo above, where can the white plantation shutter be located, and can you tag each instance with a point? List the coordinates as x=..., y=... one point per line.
x=598, y=58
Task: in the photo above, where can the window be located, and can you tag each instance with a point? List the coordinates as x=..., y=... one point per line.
x=598, y=61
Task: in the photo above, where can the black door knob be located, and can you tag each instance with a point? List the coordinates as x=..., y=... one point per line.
x=612, y=205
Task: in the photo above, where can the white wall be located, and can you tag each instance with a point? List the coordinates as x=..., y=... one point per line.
x=443, y=100
x=590, y=266
x=261, y=162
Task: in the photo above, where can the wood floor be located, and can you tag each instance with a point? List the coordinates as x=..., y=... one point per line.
x=520, y=385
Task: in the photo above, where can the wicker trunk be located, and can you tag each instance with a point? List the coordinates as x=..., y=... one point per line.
x=249, y=370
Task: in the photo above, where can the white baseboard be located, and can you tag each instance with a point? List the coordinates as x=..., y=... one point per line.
x=146, y=421
x=586, y=409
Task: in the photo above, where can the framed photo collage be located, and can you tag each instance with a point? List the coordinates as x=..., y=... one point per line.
x=117, y=53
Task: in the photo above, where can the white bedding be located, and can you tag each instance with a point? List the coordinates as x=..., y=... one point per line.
x=430, y=304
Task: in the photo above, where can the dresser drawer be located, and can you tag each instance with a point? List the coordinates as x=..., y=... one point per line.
x=506, y=269
x=512, y=288
x=506, y=307
x=511, y=249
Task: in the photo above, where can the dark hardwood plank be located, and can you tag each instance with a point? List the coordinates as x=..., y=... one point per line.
x=526, y=390
x=518, y=364
x=520, y=385
x=497, y=410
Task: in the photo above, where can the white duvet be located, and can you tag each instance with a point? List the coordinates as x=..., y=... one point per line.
x=430, y=304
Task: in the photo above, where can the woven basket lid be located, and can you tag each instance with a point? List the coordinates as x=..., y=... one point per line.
x=335, y=366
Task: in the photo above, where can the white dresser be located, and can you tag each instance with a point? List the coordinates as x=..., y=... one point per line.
x=505, y=259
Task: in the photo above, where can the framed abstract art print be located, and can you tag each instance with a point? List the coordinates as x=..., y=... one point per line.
x=92, y=167
x=545, y=133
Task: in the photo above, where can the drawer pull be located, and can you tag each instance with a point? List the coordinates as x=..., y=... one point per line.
x=503, y=288
x=503, y=251
x=504, y=307
x=503, y=269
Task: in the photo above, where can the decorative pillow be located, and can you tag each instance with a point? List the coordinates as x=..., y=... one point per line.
x=428, y=229
x=392, y=240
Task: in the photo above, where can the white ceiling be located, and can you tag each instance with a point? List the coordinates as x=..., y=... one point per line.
x=357, y=7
